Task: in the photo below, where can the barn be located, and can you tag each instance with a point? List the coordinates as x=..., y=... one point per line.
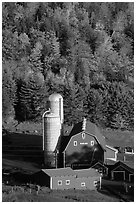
x=63, y=178
x=101, y=168
x=86, y=179
x=122, y=171
x=67, y=178
x=84, y=146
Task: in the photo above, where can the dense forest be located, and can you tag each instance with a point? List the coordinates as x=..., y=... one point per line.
x=84, y=51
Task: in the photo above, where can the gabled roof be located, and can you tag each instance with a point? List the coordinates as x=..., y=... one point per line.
x=123, y=165
x=89, y=128
x=70, y=172
x=86, y=173
x=98, y=163
x=59, y=172
x=110, y=162
x=112, y=148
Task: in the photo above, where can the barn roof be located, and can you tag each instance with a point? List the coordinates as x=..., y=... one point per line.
x=126, y=165
x=112, y=148
x=70, y=172
x=89, y=128
x=100, y=163
x=109, y=162
x=59, y=172
x=86, y=173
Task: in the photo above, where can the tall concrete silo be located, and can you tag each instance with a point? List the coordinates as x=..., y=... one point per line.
x=52, y=130
x=52, y=125
x=56, y=105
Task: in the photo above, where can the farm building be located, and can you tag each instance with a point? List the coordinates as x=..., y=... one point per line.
x=87, y=179
x=101, y=168
x=62, y=178
x=122, y=171
x=66, y=178
x=84, y=146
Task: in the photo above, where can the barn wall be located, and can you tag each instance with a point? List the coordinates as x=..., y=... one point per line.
x=83, y=152
x=120, y=168
x=63, y=179
x=110, y=153
x=89, y=183
x=81, y=143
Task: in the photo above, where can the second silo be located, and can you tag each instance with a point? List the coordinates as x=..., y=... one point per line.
x=52, y=130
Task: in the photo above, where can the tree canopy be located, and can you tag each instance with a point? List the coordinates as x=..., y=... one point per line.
x=83, y=50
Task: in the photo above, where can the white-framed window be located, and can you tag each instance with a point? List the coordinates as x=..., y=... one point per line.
x=59, y=182
x=75, y=143
x=83, y=135
x=95, y=183
x=67, y=182
x=92, y=143
x=82, y=184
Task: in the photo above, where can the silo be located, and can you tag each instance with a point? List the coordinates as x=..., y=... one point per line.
x=56, y=105
x=52, y=130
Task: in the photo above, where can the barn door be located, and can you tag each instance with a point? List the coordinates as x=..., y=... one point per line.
x=119, y=175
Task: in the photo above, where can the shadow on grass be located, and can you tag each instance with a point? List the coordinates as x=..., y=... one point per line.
x=18, y=148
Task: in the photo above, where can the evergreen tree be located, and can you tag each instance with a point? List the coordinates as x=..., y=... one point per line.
x=8, y=92
x=31, y=95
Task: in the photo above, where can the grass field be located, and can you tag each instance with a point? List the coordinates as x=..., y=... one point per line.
x=18, y=194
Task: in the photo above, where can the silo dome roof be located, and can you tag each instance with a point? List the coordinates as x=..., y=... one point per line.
x=51, y=115
x=55, y=97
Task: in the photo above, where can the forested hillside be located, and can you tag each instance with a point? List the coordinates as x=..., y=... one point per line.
x=84, y=51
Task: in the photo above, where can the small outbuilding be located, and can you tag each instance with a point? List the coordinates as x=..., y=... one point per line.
x=122, y=172
x=67, y=178
x=62, y=178
x=101, y=168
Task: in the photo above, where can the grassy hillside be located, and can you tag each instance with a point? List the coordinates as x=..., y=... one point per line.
x=118, y=138
x=22, y=194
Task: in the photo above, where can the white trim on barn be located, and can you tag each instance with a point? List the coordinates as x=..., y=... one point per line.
x=50, y=182
x=128, y=152
x=112, y=148
x=82, y=184
x=95, y=183
x=75, y=143
x=83, y=135
x=115, y=150
x=70, y=141
x=67, y=182
x=64, y=157
x=95, y=137
x=59, y=182
x=122, y=167
x=92, y=142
